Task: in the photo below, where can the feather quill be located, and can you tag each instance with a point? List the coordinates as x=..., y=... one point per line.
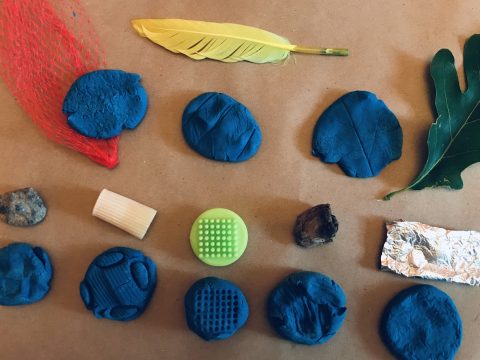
x=222, y=41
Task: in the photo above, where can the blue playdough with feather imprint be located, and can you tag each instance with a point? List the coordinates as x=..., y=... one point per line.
x=118, y=284
x=307, y=308
x=358, y=132
x=25, y=274
x=422, y=323
x=220, y=128
x=215, y=308
x=102, y=103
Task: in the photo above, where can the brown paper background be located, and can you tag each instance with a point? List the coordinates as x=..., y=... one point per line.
x=391, y=44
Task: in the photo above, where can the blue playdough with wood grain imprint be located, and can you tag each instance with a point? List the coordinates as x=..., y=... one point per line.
x=25, y=274
x=422, y=323
x=220, y=128
x=307, y=308
x=118, y=284
x=102, y=103
x=215, y=308
x=358, y=132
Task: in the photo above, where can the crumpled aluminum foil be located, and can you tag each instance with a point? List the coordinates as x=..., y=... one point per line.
x=414, y=249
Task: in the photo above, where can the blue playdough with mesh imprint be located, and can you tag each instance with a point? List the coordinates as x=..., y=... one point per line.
x=118, y=284
x=102, y=103
x=25, y=274
x=220, y=128
x=422, y=323
x=215, y=308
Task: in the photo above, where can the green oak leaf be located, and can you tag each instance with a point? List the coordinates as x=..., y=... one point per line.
x=454, y=139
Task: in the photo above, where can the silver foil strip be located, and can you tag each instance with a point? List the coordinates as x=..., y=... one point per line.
x=414, y=249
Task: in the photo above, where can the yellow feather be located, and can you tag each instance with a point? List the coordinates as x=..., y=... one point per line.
x=224, y=42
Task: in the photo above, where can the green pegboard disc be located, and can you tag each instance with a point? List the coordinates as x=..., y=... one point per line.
x=219, y=237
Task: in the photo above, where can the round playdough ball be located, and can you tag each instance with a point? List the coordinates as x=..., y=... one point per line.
x=215, y=308
x=307, y=308
x=358, y=132
x=220, y=128
x=422, y=323
x=25, y=274
x=118, y=284
x=102, y=103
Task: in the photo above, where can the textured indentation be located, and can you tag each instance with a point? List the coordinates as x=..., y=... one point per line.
x=25, y=274
x=210, y=317
x=220, y=128
x=118, y=284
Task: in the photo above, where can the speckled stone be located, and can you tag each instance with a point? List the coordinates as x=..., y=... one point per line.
x=24, y=207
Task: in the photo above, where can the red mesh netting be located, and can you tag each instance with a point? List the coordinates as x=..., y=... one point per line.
x=43, y=49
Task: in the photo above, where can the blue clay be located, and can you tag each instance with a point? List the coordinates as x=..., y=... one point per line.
x=220, y=128
x=307, y=308
x=119, y=284
x=102, y=103
x=215, y=308
x=422, y=323
x=25, y=274
x=358, y=132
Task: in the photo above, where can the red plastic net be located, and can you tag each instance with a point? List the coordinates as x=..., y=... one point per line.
x=44, y=47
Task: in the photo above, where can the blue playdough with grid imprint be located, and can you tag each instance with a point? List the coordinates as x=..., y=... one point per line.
x=215, y=308
x=118, y=284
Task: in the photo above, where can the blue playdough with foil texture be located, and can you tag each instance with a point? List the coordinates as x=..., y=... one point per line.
x=102, y=103
x=25, y=274
x=118, y=284
x=220, y=128
x=215, y=308
x=358, y=132
x=422, y=323
x=307, y=308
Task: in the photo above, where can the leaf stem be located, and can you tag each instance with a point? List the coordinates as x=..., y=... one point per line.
x=389, y=196
x=321, y=51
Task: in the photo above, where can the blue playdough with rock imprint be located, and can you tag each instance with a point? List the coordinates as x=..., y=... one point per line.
x=102, y=103
x=307, y=308
x=358, y=132
x=422, y=323
x=220, y=128
x=25, y=274
x=215, y=308
x=118, y=284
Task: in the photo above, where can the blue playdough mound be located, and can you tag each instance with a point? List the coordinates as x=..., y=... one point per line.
x=102, y=103
x=215, y=308
x=358, y=132
x=422, y=323
x=220, y=128
x=25, y=274
x=118, y=284
x=307, y=308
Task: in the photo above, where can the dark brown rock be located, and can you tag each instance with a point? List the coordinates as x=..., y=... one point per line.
x=24, y=207
x=316, y=226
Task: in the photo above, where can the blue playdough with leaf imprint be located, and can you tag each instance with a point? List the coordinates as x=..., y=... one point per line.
x=220, y=128
x=25, y=274
x=102, y=103
x=422, y=323
x=118, y=284
x=358, y=132
x=215, y=308
x=307, y=308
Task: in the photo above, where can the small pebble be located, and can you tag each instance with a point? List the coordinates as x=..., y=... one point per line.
x=316, y=226
x=24, y=207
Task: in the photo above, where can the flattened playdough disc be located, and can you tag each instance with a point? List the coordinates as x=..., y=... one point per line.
x=307, y=308
x=422, y=323
x=215, y=308
x=220, y=128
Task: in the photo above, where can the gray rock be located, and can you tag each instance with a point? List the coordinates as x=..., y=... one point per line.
x=24, y=207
